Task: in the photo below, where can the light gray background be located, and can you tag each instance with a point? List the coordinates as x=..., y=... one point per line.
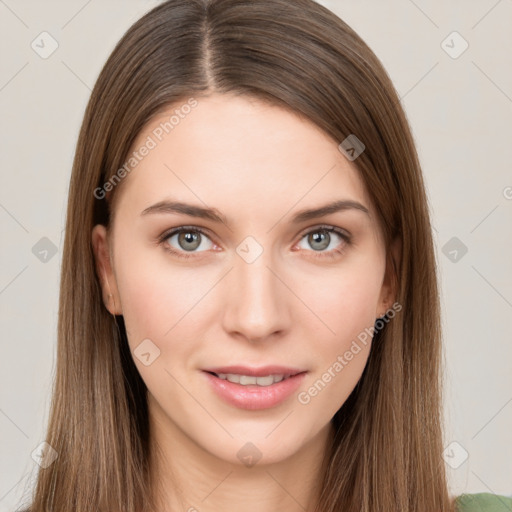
x=460, y=110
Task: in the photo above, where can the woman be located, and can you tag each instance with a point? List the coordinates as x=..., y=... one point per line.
x=249, y=311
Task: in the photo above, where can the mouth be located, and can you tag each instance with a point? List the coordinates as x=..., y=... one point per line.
x=254, y=388
x=247, y=380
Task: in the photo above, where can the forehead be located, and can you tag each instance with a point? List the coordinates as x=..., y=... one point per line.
x=238, y=151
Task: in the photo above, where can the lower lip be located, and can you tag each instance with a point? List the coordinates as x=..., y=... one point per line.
x=252, y=396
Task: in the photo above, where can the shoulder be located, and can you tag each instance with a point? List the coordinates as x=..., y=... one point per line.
x=483, y=502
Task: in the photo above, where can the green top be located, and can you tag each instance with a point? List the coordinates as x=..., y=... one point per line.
x=483, y=502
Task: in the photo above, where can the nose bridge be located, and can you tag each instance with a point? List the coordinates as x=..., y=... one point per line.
x=256, y=304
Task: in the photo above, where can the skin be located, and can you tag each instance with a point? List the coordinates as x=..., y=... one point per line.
x=258, y=165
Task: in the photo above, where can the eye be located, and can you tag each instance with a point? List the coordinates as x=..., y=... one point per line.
x=187, y=240
x=323, y=237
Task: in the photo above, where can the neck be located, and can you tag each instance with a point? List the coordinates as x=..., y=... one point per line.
x=190, y=479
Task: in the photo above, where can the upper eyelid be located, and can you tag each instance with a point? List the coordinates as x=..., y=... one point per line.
x=328, y=227
x=204, y=231
x=174, y=231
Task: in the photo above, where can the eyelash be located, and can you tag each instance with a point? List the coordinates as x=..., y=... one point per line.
x=319, y=254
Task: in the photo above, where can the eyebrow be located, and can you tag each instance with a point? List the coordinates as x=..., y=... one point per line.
x=214, y=215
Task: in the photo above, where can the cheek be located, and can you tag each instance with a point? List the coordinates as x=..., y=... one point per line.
x=158, y=300
x=162, y=304
x=344, y=301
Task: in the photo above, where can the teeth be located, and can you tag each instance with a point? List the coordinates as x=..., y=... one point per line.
x=245, y=380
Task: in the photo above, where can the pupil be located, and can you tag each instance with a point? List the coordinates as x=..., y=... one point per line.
x=322, y=237
x=189, y=238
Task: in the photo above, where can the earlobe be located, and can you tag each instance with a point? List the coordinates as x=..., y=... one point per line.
x=390, y=284
x=104, y=269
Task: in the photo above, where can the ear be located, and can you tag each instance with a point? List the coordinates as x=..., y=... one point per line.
x=104, y=269
x=390, y=283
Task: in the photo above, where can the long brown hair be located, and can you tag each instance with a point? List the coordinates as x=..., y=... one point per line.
x=386, y=451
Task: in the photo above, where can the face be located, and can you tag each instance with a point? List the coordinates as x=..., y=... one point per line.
x=252, y=285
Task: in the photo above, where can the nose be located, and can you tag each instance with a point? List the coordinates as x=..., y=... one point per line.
x=257, y=301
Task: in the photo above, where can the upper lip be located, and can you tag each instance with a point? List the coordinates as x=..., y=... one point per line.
x=255, y=371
